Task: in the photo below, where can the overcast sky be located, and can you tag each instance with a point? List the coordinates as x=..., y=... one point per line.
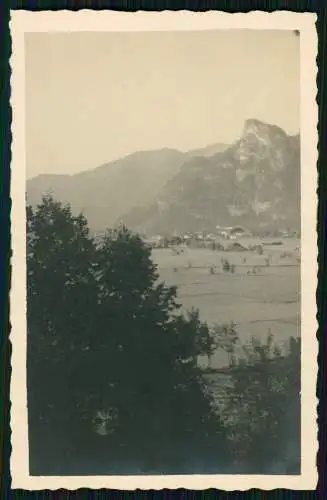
x=94, y=97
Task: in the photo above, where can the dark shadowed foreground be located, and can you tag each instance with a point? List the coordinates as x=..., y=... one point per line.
x=114, y=385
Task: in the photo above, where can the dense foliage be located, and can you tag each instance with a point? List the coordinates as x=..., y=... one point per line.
x=263, y=409
x=106, y=342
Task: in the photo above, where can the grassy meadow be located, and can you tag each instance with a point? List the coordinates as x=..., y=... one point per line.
x=257, y=303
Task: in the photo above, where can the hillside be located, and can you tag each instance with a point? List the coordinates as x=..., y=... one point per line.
x=254, y=183
x=106, y=192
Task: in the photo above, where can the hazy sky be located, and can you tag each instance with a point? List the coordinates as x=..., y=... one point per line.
x=94, y=97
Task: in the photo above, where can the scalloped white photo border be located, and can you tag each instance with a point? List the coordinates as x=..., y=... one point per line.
x=87, y=20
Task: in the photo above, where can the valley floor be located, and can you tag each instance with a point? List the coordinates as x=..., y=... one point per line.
x=268, y=300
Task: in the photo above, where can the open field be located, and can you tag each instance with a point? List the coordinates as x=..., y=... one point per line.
x=257, y=303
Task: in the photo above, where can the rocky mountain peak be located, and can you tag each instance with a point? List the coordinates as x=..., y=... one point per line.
x=260, y=141
x=262, y=130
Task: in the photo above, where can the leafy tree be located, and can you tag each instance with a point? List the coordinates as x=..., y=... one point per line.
x=153, y=370
x=107, y=346
x=226, y=266
x=61, y=297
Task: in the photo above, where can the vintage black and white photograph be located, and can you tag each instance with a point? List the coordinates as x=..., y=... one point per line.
x=164, y=232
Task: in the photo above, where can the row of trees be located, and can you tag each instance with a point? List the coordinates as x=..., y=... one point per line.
x=107, y=339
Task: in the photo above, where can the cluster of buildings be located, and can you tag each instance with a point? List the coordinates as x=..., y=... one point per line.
x=228, y=233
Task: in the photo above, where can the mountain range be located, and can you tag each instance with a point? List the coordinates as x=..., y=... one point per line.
x=254, y=182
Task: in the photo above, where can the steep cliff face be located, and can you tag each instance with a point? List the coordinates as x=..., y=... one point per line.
x=267, y=174
x=255, y=182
